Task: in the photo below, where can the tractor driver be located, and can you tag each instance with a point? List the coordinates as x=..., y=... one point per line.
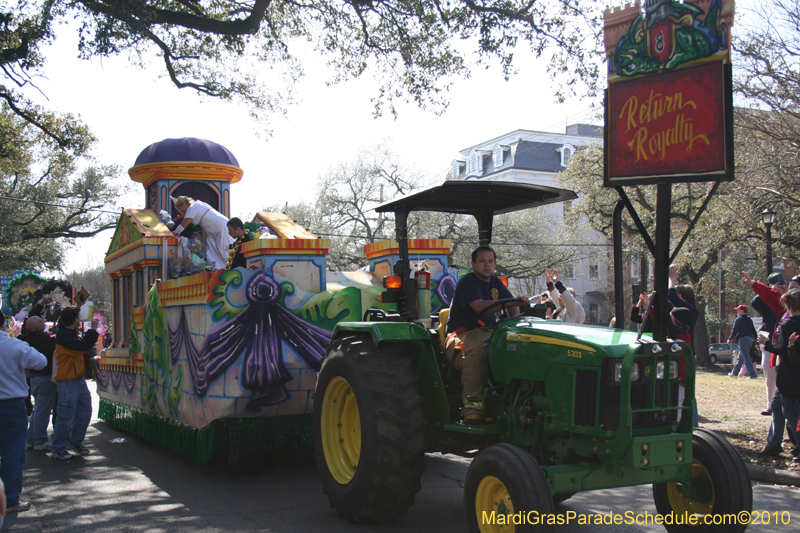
x=468, y=334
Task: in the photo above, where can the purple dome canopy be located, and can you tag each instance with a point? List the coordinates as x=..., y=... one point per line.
x=186, y=149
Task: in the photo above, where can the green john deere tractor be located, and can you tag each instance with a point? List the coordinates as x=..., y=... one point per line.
x=572, y=407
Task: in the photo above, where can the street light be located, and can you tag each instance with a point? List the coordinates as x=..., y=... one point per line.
x=768, y=217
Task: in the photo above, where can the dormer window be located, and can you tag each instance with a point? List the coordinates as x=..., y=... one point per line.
x=475, y=162
x=498, y=156
x=566, y=153
x=458, y=167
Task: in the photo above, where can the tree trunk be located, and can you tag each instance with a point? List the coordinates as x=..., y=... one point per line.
x=700, y=339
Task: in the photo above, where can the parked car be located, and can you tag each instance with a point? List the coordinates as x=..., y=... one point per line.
x=723, y=353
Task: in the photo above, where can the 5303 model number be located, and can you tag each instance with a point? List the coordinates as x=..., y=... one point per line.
x=574, y=353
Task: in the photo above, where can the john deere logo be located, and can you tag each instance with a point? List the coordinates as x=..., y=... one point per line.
x=647, y=371
x=495, y=294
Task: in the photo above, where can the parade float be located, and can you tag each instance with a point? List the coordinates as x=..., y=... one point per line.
x=25, y=288
x=224, y=362
x=19, y=290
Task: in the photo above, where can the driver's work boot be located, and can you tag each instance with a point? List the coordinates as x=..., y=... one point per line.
x=473, y=413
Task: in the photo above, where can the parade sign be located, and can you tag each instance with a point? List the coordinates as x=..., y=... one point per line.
x=669, y=107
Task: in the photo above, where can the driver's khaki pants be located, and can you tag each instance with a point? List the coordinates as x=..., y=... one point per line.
x=473, y=361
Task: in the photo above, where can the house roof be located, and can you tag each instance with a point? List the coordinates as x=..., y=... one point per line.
x=531, y=155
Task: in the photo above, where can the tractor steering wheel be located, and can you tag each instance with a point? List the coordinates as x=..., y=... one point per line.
x=501, y=302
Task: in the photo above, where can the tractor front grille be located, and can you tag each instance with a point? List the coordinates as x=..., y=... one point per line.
x=646, y=393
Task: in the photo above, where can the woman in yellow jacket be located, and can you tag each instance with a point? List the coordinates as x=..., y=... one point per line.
x=74, y=399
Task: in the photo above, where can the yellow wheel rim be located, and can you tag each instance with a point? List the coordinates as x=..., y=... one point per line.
x=341, y=430
x=492, y=497
x=703, y=502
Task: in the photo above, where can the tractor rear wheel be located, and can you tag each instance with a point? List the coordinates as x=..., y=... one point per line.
x=369, y=440
x=506, y=490
x=720, y=485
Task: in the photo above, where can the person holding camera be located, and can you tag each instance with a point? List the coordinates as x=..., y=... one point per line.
x=74, y=399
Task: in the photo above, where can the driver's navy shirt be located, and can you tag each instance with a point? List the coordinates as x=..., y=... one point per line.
x=469, y=289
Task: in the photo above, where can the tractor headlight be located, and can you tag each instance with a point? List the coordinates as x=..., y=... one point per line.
x=618, y=372
x=673, y=370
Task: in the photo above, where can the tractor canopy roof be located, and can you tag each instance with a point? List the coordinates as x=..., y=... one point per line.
x=469, y=197
x=481, y=199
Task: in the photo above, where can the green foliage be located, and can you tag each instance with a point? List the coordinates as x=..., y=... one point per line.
x=714, y=325
x=45, y=200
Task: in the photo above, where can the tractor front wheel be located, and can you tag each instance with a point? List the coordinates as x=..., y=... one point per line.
x=506, y=491
x=369, y=440
x=720, y=485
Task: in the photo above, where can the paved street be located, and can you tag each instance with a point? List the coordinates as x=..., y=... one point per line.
x=138, y=486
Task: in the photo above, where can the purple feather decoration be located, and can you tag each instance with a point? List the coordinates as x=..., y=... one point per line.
x=259, y=330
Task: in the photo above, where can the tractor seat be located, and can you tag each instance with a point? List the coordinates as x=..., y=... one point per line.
x=442, y=328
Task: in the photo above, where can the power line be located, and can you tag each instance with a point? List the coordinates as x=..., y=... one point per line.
x=380, y=237
x=26, y=201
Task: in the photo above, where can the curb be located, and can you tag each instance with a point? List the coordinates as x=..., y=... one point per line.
x=771, y=475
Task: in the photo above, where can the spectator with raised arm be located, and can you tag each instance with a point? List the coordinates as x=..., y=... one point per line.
x=569, y=309
x=682, y=296
x=768, y=323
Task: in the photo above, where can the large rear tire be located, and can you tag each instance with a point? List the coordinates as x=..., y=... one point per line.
x=369, y=440
x=505, y=481
x=720, y=481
